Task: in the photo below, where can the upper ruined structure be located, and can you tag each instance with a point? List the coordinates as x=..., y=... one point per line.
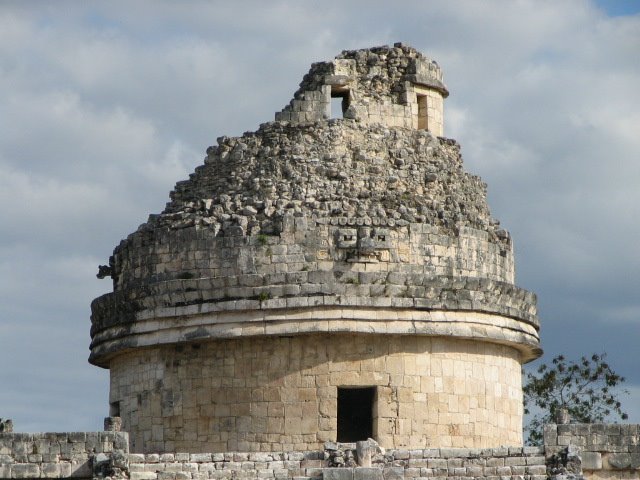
x=322, y=279
x=396, y=87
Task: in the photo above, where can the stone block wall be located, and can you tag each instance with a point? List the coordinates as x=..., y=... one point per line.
x=602, y=451
x=500, y=463
x=504, y=463
x=60, y=455
x=578, y=451
x=266, y=394
x=313, y=244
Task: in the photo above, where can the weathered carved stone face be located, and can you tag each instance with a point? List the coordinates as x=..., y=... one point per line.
x=363, y=244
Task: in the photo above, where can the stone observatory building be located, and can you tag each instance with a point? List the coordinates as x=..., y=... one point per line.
x=322, y=279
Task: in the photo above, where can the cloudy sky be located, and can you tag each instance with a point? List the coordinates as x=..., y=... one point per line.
x=105, y=105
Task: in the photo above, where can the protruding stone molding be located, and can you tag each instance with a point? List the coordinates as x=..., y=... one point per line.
x=427, y=81
x=185, y=324
x=407, y=291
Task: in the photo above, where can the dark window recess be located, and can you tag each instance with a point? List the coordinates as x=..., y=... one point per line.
x=422, y=113
x=355, y=413
x=114, y=409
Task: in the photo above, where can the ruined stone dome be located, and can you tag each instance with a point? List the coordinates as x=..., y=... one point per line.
x=365, y=224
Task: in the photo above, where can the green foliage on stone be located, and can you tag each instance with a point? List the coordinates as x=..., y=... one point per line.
x=262, y=239
x=586, y=390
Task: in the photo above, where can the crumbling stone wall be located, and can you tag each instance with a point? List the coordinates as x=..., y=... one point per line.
x=603, y=451
x=64, y=455
x=308, y=183
x=578, y=451
x=393, y=86
x=102, y=455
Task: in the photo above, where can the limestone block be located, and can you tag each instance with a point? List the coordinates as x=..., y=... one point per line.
x=338, y=474
x=143, y=476
x=25, y=470
x=591, y=460
x=5, y=470
x=367, y=473
x=50, y=470
x=393, y=473
x=537, y=469
x=619, y=460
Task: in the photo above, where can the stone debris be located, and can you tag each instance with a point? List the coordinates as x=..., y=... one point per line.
x=6, y=425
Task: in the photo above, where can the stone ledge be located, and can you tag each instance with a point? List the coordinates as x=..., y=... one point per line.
x=178, y=327
x=449, y=293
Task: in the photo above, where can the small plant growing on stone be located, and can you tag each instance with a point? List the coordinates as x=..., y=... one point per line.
x=264, y=296
x=262, y=239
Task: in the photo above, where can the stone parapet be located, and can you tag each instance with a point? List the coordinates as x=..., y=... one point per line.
x=601, y=450
x=504, y=463
x=60, y=455
x=590, y=451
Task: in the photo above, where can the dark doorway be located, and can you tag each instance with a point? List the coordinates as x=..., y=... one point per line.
x=422, y=112
x=355, y=413
x=114, y=409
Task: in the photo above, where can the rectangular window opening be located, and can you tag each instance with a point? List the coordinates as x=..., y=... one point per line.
x=339, y=102
x=355, y=413
x=422, y=112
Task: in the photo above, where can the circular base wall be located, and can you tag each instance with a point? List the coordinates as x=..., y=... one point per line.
x=284, y=393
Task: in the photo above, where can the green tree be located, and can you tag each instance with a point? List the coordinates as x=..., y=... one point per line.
x=585, y=389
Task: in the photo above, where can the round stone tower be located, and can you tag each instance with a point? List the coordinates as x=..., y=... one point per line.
x=322, y=279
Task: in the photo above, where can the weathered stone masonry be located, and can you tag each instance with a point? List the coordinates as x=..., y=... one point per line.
x=592, y=452
x=105, y=454
x=598, y=451
x=396, y=87
x=578, y=451
x=318, y=259
x=464, y=393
